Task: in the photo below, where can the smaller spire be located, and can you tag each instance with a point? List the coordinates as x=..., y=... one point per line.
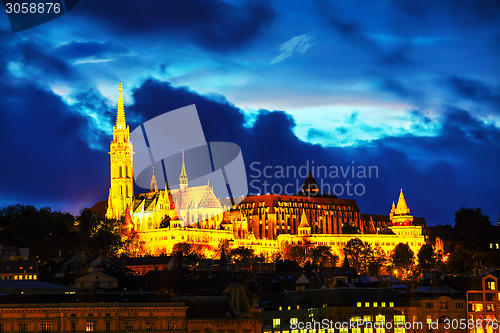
x=183, y=178
x=303, y=220
x=120, y=114
x=154, y=186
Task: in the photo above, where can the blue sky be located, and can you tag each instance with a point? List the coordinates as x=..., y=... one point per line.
x=410, y=86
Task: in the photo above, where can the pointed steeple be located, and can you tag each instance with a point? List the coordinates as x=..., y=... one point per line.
x=310, y=186
x=304, y=226
x=183, y=178
x=120, y=114
x=402, y=208
x=303, y=220
x=154, y=186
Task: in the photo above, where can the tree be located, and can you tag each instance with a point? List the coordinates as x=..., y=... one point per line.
x=403, y=259
x=427, y=258
x=350, y=229
x=473, y=226
x=165, y=223
x=322, y=256
x=296, y=253
x=99, y=235
x=44, y=231
x=377, y=261
x=359, y=254
x=188, y=249
x=244, y=254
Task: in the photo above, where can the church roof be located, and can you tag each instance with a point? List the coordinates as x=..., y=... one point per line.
x=272, y=200
x=310, y=184
x=196, y=196
x=148, y=199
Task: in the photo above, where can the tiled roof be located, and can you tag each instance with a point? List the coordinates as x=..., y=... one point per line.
x=196, y=196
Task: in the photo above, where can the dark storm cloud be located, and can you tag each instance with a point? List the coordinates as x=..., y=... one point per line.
x=400, y=88
x=354, y=32
x=480, y=12
x=78, y=50
x=216, y=25
x=475, y=91
x=33, y=55
x=45, y=158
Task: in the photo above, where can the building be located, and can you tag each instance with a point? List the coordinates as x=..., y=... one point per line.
x=439, y=308
x=333, y=310
x=266, y=223
x=91, y=313
x=483, y=305
x=229, y=312
x=95, y=281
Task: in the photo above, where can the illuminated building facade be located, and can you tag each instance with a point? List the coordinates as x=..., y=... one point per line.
x=265, y=223
x=306, y=311
x=90, y=313
x=434, y=305
x=483, y=306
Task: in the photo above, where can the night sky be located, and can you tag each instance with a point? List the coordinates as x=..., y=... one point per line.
x=412, y=87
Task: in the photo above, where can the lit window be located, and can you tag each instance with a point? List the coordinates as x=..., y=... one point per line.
x=375, y=304
x=429, y=320
x=477, y=307
x=383, y=304
x=89, y=326
x=276, y=322
x=380, y=319
x=490, y=285
x=46, y=326
x=294, y=321
x=359, y=304
x=391, y=304
x=280, y=308
x=399, y=318
x=367, y=304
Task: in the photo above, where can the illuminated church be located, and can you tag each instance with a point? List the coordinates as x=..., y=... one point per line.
x=266, y=223
x=148, y=210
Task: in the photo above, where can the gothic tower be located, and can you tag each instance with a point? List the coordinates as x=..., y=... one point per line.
x=121, y=191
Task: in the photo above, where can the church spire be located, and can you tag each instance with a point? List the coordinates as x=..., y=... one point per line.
x=183, y=178
x=120, y=114
x=154, y=186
